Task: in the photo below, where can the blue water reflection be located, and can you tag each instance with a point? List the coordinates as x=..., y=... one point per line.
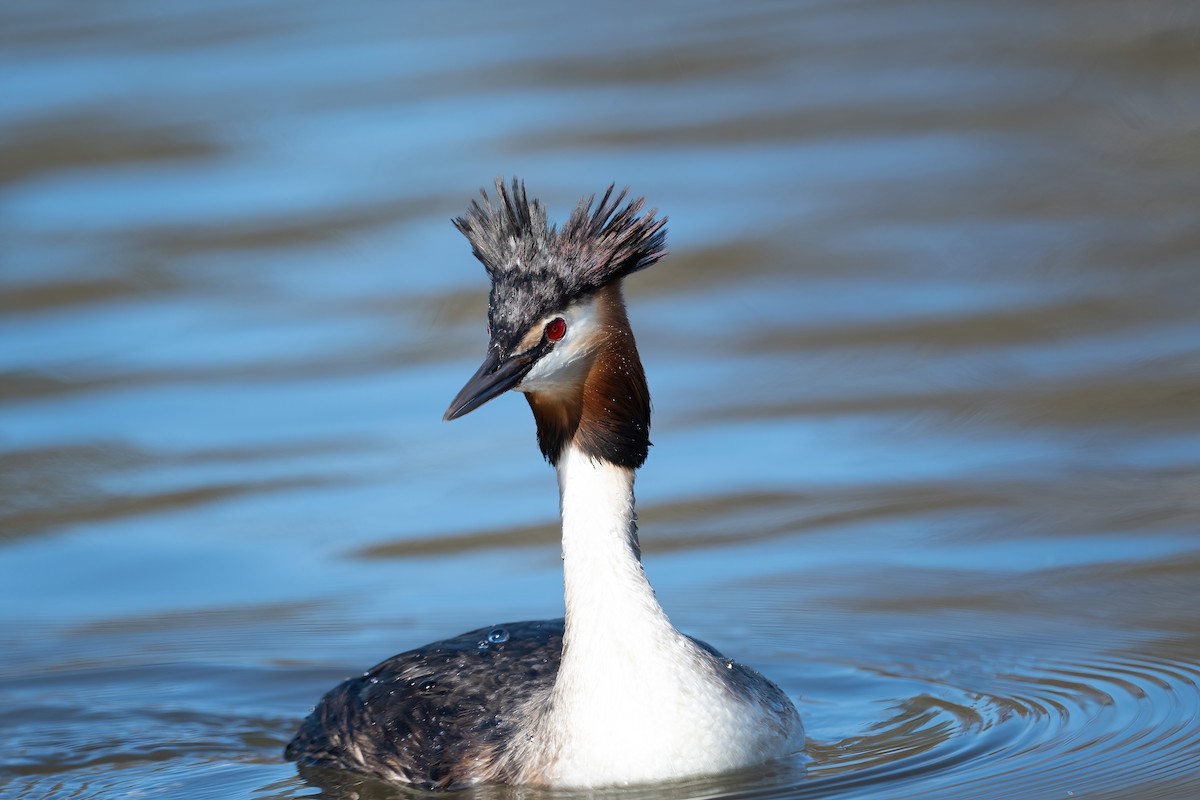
x=922, y=357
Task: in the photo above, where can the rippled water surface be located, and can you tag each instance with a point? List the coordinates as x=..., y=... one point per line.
x=925, y=360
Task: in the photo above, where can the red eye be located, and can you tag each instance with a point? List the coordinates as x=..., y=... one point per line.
x=556, y=329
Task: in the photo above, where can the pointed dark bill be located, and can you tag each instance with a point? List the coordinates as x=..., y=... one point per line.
x=493, y=378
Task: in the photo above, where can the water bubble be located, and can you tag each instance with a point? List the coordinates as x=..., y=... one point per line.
x=498, y=635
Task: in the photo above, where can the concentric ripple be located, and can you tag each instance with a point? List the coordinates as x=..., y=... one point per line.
x=1037, y=729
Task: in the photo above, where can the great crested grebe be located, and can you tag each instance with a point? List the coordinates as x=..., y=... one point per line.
x=613, y=694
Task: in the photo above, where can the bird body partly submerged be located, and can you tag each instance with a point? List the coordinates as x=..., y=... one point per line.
x=458, y=712
x=612, y=694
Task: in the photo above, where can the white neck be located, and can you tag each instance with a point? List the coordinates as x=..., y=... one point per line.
x=609, y=600
x=635, y=700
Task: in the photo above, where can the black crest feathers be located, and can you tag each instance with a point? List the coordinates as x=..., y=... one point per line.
x=595, y=247
x=504, y=238
x=610, y=244
x=537, y=270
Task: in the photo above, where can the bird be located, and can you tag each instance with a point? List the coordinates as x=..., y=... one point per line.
x=612, y=694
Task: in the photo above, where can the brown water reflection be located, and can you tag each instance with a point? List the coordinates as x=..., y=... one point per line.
x=924, y=360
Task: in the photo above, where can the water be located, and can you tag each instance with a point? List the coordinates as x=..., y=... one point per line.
x=924, y=360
